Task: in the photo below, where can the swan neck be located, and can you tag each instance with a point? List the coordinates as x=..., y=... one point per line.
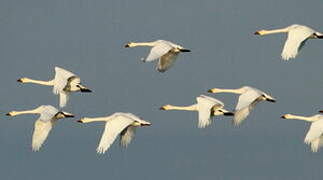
x=274, y=31
x=98, y=119
x=309, y=119
x=184, y=108
x=46, y=83
x=134, y=44
x=33, y=111
x=235, y=91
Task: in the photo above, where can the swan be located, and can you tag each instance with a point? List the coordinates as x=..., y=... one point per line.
x=248, y=99
x=314, y=136
x=64, y=83
x=165, y=51
x=48, y=117
x=297, y=36
x=118, y=123
x=206, y=107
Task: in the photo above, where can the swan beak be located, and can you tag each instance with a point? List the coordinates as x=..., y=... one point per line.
x=146, y=124
x=126, y=46
x=19, y=80
x=86, y=90
x=185, y=50
x=228, y=114
x=8, y=114
x=211, y=91
x=257, y=33
x=321, y=111
x=80, y=121
x=162, y=108
x=271, y=100
x=69, y=115
x=283, y=117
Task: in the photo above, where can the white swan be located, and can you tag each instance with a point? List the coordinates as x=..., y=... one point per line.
x=314, y=136
x=297, y=36
x=48, y=116
x=206, y=107
x=64, y=83
x=117, y=123
x=165, y=51
x=248, y=99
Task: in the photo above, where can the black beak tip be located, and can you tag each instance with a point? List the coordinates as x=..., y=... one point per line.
x=86, y=90
x=210, y=91
x=283, y=117
x=321, y=111
x=126, y=46
x=161, y=108
x=19, y=80
x=256, y=33
x=8, y=114
x=79, y=121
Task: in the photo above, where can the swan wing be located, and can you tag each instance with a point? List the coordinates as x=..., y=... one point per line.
x=61, y=78
x=167, y=60
x=295, y=41
x=315, y=131
x=41, y=131
x=204, y=105
x=111, y=131
x=158, y=51
x=126, y=135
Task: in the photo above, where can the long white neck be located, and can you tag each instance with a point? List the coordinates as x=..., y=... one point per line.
x=134, y=44
x=274, y=31
x=33, y=111
x=98, y=119
x=183, y=108
x=46, y=83
x=235, y=91
x=309, y=119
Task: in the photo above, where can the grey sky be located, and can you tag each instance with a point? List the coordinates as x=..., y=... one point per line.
x=87, y=37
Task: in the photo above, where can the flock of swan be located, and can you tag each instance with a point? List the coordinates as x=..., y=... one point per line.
x=124, y=124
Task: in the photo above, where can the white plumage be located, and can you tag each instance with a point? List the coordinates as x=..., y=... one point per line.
x=63, y=83
x=43, y=125
x=248, y=99
x=166, y=51
x=314, y=136
x=297, y=36
x=117, y=123
x=206, y=107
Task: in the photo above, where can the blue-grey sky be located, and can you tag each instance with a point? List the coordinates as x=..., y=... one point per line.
x=87, y=37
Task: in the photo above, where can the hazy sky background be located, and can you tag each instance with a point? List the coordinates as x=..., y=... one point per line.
x=87, y=38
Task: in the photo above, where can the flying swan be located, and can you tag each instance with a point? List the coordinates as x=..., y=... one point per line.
x=314, y=136
x=48, y=117
x=118, y=123
x=165, y=51
x=297, y=36
x=206, y=107
x=248, y=99
x=64, y=83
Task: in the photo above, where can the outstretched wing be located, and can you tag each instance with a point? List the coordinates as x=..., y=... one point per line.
x=204, y=105
x=167, y=60
x=111, y=131
x=63, y=98
x=316, y=144
x=41, y=131
x=127, y=135
x=245, y=104
x=295, y=40
x=314, y=133
x=158, y=51
x=61, y=77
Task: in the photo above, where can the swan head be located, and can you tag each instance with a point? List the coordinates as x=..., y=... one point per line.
x=166, y=107
x=130, y=45
x=12, y=113
x=286, y=116
x=261, y=32
x=142, y=123
x=214, y=90
x=62, y=114
x=23, y=80
x=220, y=112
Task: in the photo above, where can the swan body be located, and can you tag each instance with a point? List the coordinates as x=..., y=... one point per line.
x=63, y=84
x=297, y=36
x=43, y=125
x=117, y=123
x=206, y=107
x=248, y=99
x=314, y=136
x=166, y=51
